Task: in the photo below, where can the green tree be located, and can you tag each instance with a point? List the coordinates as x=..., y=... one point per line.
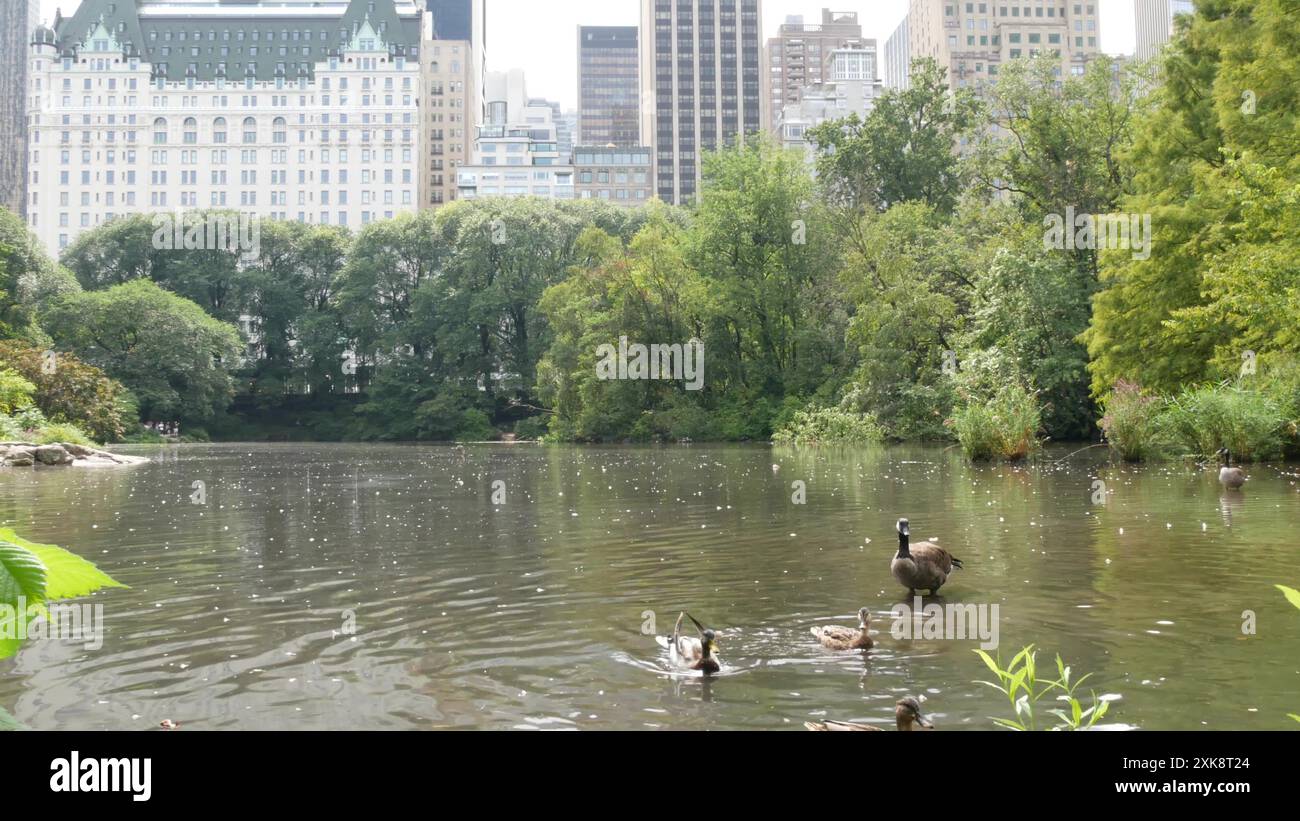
x=175, y=359
x=902, y=150
x=116, y=252
x=768, y=252
x=907, y=278
x=1224, y=115
x=29, y=279
x=1059, y=141
x=646, y=293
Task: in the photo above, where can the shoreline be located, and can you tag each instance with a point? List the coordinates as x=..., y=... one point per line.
x=62, y=454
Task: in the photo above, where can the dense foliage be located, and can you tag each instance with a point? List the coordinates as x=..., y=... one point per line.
x=67, y=390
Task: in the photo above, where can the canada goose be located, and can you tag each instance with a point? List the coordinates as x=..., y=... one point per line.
x=922, y=566
x=846, y=638
x=907, y=713
x=1230, y=477
x=692, y=653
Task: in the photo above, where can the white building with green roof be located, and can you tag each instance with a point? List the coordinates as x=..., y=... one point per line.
x=302, y=110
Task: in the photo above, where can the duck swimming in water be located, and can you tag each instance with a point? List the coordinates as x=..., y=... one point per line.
x=907, y=716
x=692, y=653
x=846, y=638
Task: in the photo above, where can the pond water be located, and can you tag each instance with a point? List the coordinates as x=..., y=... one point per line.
x=384, y=586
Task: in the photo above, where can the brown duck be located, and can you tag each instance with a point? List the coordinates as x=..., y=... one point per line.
x=846, y=638
x=907, y=715
x=921, y=566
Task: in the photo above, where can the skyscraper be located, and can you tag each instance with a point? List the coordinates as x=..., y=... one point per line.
x=454, y=19
x=701, y=84
x=609, y=88
x=799, y=55
x=1154, y=21
x=18, y=18
x=898, y=58
x=453, y=62
x=971, y=40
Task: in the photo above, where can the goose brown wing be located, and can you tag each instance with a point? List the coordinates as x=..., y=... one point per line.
x=930, y=553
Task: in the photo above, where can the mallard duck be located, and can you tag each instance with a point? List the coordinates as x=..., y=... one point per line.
x=692, y=653
x=1229, y=476
x=921, y=566
x=907, y=715
x=846, y=638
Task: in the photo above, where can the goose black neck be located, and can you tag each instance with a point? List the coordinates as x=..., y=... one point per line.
x=903, y=551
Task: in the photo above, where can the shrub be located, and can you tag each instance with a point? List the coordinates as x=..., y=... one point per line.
x=15, y=391
x=75, y=392
x=821, y=426
x=30, y=418
x=530, y=429
x=10, y=430
x=61, y=433
x=30, y=425
x=1249, y=423
x=1006, y=427
x=1130, y=423
x=474, y=426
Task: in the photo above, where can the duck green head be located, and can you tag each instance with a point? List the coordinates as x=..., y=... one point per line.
x=708, y=638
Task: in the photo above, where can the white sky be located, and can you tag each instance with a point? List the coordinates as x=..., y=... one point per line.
x=541, y=37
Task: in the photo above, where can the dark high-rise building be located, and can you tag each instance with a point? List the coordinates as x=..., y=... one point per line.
x=18, y=18
x=609, y=90
x=453, y=19
x=701, y=84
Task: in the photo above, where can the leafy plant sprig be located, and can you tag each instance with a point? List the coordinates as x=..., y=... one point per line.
x=1019, y=682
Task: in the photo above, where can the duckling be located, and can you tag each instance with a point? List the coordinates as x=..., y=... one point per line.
x=907, y=713
x=922, y=566
x=1230, y=477
x=691, y=653
x=846, y=638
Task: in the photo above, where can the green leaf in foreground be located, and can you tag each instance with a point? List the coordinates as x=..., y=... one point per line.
x=1292, y=595
x=22, y=574
x=8, y=722
x=67, y=575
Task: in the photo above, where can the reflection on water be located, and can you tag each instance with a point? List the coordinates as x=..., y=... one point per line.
x=539, y=613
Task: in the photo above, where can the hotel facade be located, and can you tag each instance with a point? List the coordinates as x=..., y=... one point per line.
x=304, y=110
